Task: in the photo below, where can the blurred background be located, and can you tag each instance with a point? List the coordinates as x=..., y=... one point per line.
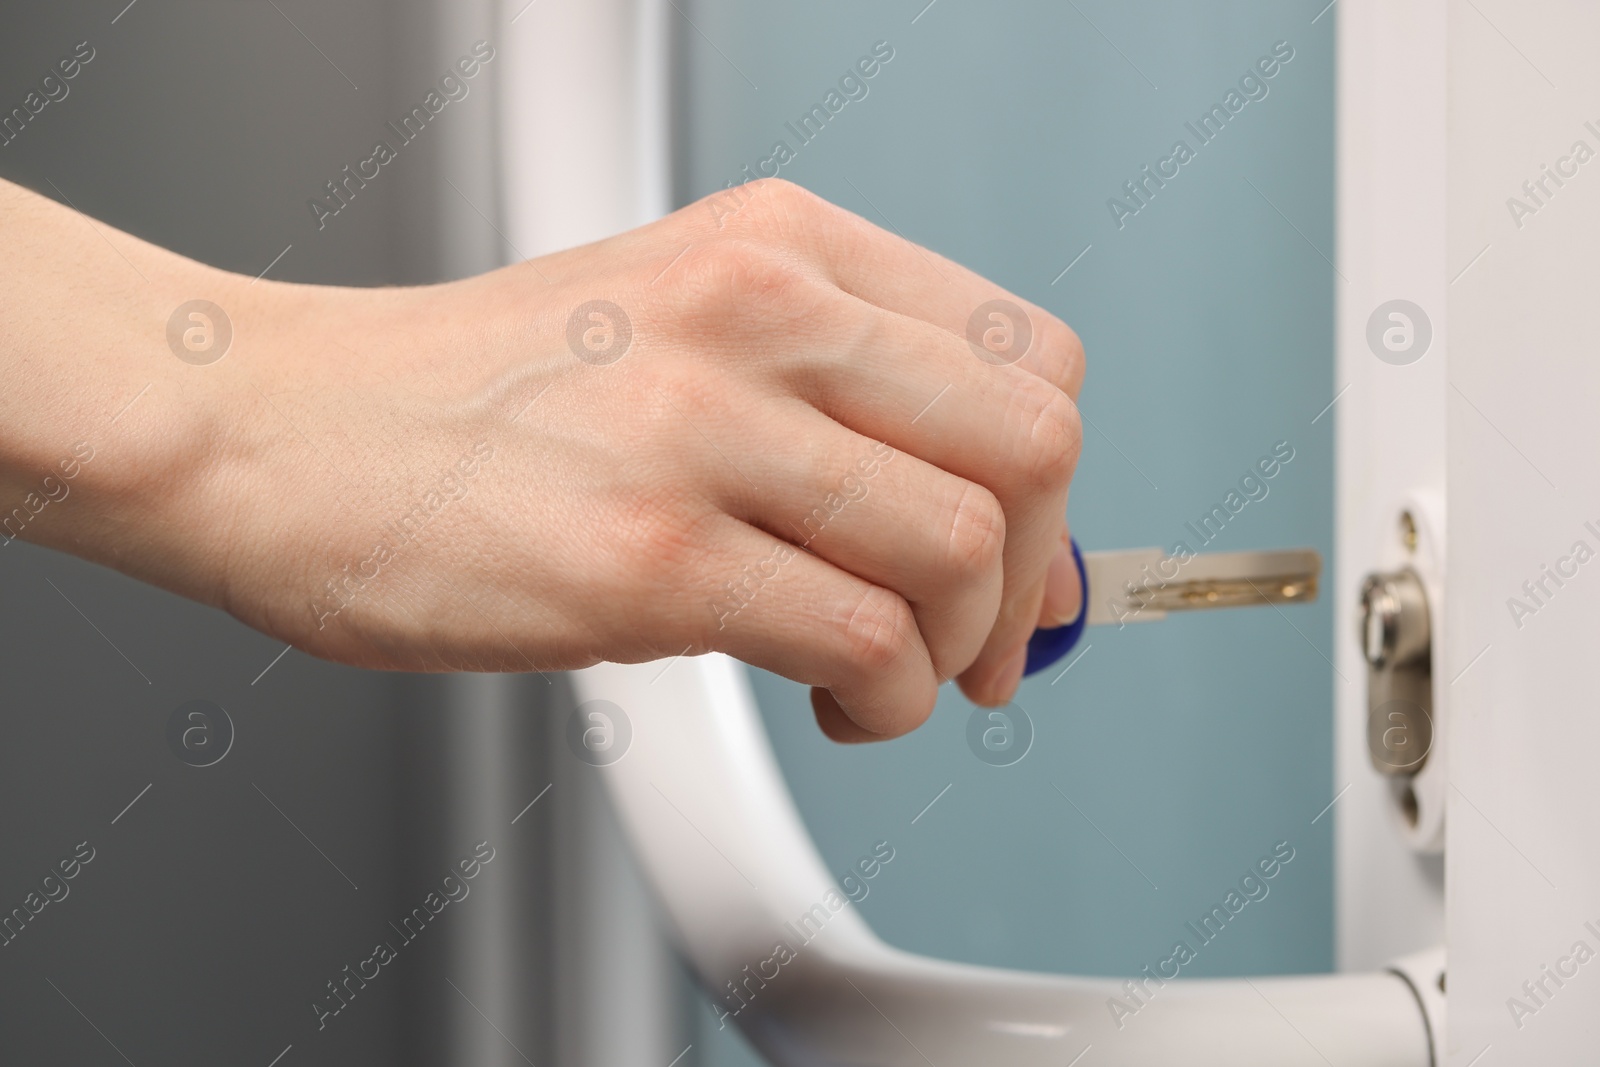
x=223, y=899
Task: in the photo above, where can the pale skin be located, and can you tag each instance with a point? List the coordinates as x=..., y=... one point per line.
x=791, y=346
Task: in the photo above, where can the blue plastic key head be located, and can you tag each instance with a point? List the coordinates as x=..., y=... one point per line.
x=1046, y=646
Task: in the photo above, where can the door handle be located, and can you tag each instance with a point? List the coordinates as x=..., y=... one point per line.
x=715, y=831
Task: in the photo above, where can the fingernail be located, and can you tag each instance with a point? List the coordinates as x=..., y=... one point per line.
x=1010, y=676
x=1063, y=589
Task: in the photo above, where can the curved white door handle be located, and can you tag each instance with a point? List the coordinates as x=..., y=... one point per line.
x=718, y=836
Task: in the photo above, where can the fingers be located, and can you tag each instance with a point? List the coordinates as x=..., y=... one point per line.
x=1005, y=328
x=893, y=273
x=836, y=723
x=945, y=367
x=886, y=517
x=797, y=615
x=1063, y=602
x=919, y=389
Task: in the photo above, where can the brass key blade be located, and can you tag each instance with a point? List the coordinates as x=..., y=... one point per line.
x=1144, y=584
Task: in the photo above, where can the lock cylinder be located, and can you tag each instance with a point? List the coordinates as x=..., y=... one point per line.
x=1397, y=644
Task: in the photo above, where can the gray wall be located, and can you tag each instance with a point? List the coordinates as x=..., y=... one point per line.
x=217, y=905
x=996, y=135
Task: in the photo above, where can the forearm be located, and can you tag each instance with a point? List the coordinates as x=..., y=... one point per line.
x=109, y=443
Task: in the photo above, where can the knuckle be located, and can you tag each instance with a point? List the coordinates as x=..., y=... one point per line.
x=738, y=267
x=763, y=207
x=783, y=198
x=1061, y=355
x=779, y=212
x=736, y=281
x=977, y=536
x=875, y=632
x=1054, y=436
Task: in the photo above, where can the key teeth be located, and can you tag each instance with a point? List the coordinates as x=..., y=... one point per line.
x=1212, y=580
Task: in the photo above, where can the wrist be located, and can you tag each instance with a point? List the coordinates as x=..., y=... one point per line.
x=333, y=410
x=94, y=414
x=142, y=458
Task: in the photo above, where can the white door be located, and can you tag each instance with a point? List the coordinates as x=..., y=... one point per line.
x=1468, y=282
x=1524, y=499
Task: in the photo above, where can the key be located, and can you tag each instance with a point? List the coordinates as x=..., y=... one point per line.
x=1145, y=584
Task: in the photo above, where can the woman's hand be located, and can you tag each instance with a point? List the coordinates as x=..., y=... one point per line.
x=756, y=426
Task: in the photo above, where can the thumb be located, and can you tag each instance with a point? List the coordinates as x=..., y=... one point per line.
x=1063, y=586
